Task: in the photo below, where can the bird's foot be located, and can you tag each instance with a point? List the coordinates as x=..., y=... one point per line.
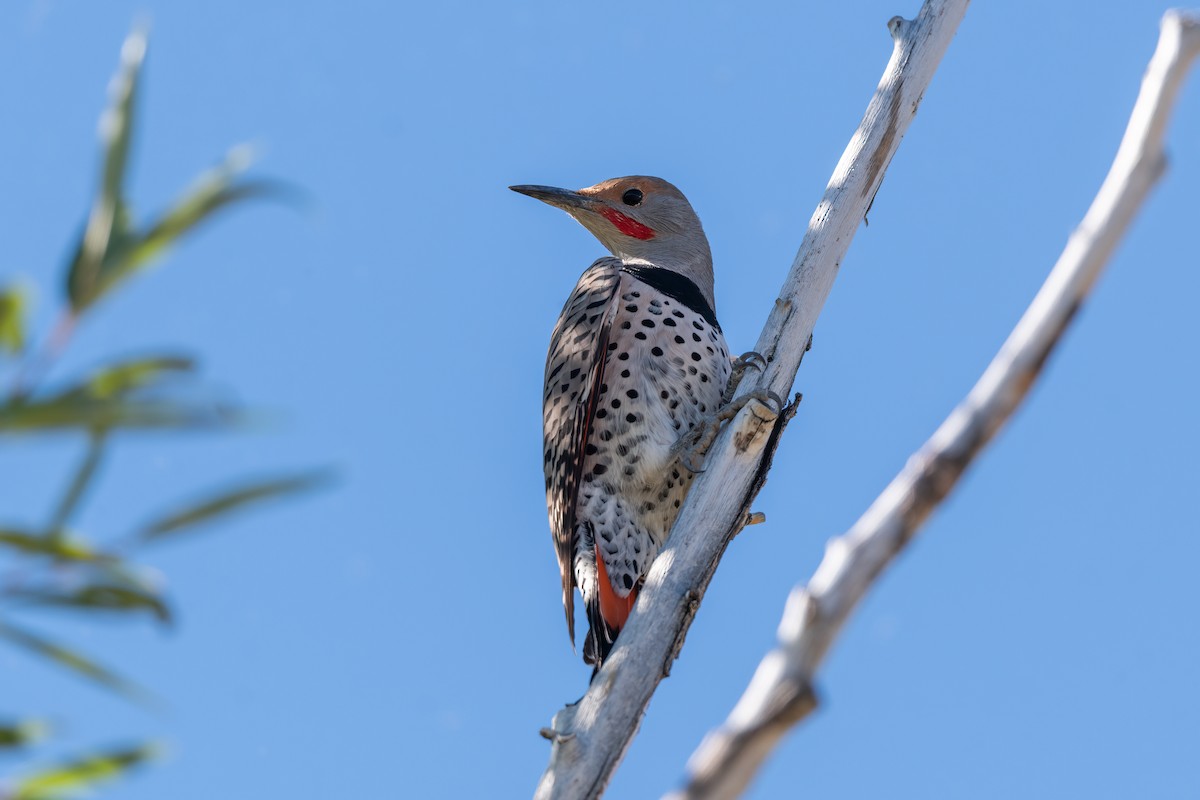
x=740, y=365
x=694, y=444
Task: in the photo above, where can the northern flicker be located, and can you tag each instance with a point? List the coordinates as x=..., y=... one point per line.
x=636, y=361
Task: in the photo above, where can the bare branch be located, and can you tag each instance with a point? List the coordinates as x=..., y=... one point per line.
x=780, y=694
x=590, y=737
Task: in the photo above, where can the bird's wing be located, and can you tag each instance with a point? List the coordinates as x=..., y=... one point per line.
x=574, y=375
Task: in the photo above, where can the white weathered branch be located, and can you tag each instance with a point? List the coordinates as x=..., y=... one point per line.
x=590, y=737
x=780, y=693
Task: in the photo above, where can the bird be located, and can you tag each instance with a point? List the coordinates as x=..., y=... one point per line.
x=637, y=362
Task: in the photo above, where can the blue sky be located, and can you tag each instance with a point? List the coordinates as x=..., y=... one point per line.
x=400, y=634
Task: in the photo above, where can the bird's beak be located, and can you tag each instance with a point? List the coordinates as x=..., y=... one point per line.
x=561, y=198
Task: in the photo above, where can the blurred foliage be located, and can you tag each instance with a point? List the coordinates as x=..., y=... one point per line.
x=112, y=248
x=80, y=774
x=12, y=320
x=51, y=568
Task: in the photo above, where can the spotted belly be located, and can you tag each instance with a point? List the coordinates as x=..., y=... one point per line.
x=665, y=369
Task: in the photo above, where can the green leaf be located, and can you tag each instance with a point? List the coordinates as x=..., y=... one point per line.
x=112, y=248
x=81, y=481
x=108, y=220
x=61, y=548
x=102, y=597
x=123, y=377
x=19, y=734
x=153, y=414
x=13, y=303
x=129, y=251
x=119, y=396
x=231, y=500
x=72, y=661
x=83, y=773
x=214, y=190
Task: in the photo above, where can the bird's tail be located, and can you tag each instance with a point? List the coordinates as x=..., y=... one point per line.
x=600, y=636
x=607, y=613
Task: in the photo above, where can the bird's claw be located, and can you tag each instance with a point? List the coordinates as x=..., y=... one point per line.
x=763, y=397
x=750, y=358
x=685, y=458
x=697, y=441
x=740, y=365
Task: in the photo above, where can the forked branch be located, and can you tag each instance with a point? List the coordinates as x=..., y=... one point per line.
x=780, y=693
x=590, y=737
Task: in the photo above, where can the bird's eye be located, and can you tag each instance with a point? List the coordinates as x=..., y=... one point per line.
x=632, y=197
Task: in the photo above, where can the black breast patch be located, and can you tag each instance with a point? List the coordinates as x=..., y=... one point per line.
x=675, y=286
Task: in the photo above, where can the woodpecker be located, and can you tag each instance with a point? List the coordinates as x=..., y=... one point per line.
x=636, y=362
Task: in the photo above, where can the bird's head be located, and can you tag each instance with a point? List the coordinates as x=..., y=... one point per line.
x=638, y=218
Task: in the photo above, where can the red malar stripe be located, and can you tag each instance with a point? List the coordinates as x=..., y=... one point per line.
x=627, y=226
